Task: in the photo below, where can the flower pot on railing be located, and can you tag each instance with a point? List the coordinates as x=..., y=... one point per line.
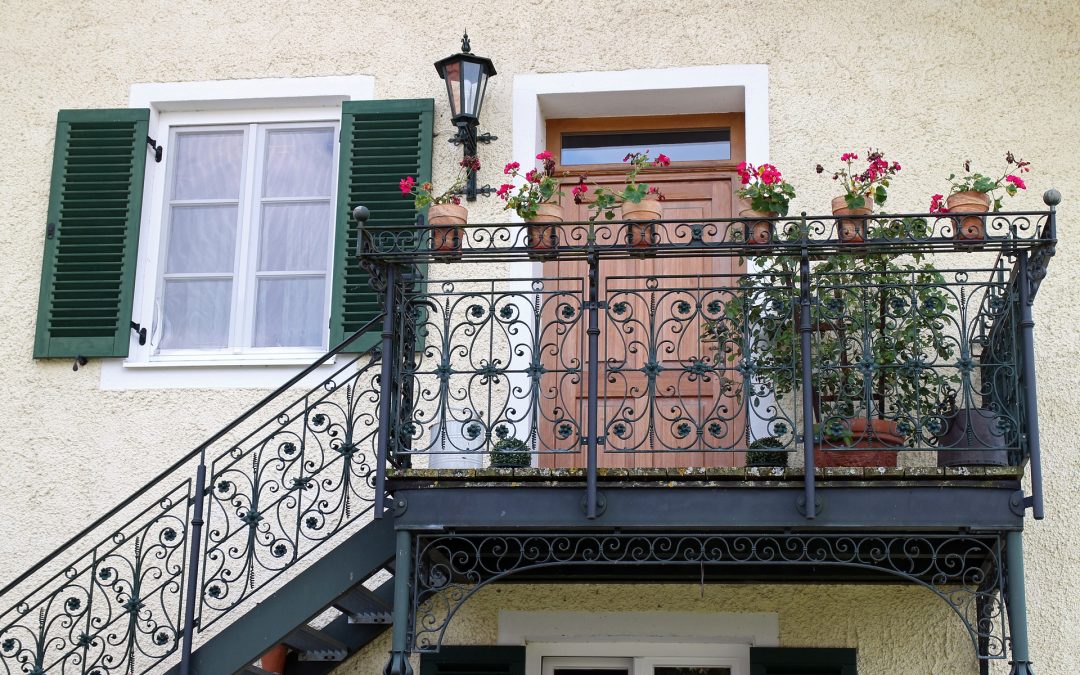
x=446, y=231
x=543, y=236
x=976, y=435
x=969, y=228
x=273, y=660
x=853, y=230
x=641, y=235
x=758, y=232
x=867, y=444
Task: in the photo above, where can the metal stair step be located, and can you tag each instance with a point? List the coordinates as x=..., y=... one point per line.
x=254, y=670
x=315, y=645
x=361, y=606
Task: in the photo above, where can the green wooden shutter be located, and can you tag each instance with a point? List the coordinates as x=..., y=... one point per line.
x=474, y=661
x=381, y=143
x=799, y=661
x=92, y=233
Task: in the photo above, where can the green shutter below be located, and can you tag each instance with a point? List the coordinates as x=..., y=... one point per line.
x=381, y=143
x=474, y=661
x=802, y=661
x=92, y=233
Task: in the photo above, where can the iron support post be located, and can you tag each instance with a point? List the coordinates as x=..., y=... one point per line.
x=398, y=664
x=1016, y=603
x=594, y=385
x=807, y=383
x=1031, y=403
x=386, y=390
x=193, y=566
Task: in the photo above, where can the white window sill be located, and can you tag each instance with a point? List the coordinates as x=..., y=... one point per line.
x=121, y=375
x=238, y=361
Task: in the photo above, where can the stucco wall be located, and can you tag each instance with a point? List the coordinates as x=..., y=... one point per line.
x=898, y=630
x=931, y=82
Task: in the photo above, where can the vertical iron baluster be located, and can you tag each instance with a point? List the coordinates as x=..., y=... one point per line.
x=594, y=384
x=398, y=664
x=1016, y=603
x=807, y=374
x=1031, y=404
x=386, y=388
x=193, y=564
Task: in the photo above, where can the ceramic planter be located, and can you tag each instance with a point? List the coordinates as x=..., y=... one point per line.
x=273, y=661
x=758, y=232
x=851, y=231
x=868, y=443
x=543, y=236
x=641, y=236
x=446, y=231
x=969, y=228
x=976, y=436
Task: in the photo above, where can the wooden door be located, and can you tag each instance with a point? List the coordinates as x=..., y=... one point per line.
x=654, y=410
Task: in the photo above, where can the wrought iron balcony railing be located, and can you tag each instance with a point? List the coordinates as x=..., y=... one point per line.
x=909, y=342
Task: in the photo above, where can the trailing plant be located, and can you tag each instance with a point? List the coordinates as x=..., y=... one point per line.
x=424, y=194
x=971, y=181
x=880, y=322
x=606, y=200
x=510, y=452
x=759, y=455
x=540, y=187
x=869, y=184
x=765, y=188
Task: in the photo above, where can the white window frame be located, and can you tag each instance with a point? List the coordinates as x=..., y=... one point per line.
x=640, y=657
x=269, y=100
x=243, y=298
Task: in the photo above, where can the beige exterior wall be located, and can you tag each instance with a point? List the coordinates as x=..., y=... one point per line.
x=932, y=83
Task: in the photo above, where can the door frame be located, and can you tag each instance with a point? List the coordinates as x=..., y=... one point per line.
x=640, y=653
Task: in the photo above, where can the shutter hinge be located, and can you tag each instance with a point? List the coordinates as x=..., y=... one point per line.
x=158, y=149
x=140, y=331
x=80, y=360
x=50, y=230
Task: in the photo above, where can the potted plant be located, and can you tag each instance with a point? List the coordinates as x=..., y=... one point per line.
x=639, y=201
x=510, y=453
x=535, y=201
x=876, y=316
x=766, y=195
x=972, y=437
x=972, y=193
x=445, y=214
x=759, y=453
x=861, y=191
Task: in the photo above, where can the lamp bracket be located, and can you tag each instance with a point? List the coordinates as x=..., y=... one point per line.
x=462, y=138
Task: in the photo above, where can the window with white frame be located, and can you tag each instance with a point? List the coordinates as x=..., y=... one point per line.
x=246, y=250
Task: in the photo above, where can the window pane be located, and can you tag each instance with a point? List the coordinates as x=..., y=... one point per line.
x=299, y=163
x=290, y=312
x=201, y=239
x=196, y=314
x=680, y=146
x=691, y=670
x=207, y=165
x=591, y=671
x=294, y=237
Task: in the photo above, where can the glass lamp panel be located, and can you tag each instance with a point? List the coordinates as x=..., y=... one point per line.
x=294, y=237
x=472, y=85
x=201, y=239
x=208, y=165
x=452, y=75
x=290, y=312
x=298, y=163
x=195, y=314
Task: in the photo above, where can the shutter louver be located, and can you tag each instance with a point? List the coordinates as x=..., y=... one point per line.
x=381, y=142
x=502, y=660
x=95, y=204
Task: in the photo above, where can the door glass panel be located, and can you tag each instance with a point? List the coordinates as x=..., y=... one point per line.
x=592, y=671
x=691, y=670
x=691, y=145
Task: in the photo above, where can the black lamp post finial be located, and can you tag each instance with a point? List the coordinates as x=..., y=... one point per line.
x=466, y=48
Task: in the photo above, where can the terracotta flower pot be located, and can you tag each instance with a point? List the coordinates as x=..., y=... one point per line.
x=648, y=209
x=759, y=232
x=867, y=443
x=273, y=661
x=851, y=231
x=975, y=435
x=446, y=231
x=543, y=235
x=969, y=228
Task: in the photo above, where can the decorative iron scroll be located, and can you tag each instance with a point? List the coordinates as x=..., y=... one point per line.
x=964, y=571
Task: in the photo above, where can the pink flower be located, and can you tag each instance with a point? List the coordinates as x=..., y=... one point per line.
x=579, y=189
x=768, y=174
x=1017, y=181
x=937, y=204
x=456, y=201
x=504, y=190
x=533, y=176
x=745, y=171
x=848, y=156
x=544, y=155
x=895, y=166
x=662, y=160
x=406, y=185
x=511, y=167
